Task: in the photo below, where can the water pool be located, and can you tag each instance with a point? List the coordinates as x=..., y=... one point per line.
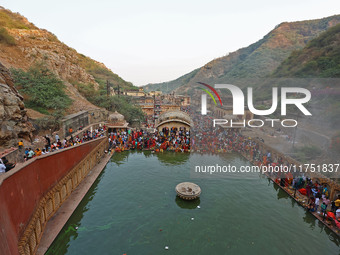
x=132, y=208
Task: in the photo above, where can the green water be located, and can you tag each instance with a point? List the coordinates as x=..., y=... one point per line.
x=132, y=209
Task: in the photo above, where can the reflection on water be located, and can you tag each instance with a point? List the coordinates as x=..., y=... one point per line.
x=332, y=237
x=275, y=186
x=120, y=158
x=310, y=219
x=73, y=225
x=187, y=204
x=167, y=158
x=172, y=158
x=281, y=193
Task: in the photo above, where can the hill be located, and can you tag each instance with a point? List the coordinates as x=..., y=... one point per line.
x=167, y=87
x=320, y=58
x=257, y=60
x=319, y=63
x=23, y=46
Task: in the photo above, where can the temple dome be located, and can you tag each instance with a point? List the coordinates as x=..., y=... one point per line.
x=116, y=116
x=175, y=115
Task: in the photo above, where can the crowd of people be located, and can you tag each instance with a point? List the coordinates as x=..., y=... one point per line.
x=317, y=196
x=52, y=145
x=206, y=139
x=202, y=138
x=5, y=165
x=58, y=143
x=171, y=139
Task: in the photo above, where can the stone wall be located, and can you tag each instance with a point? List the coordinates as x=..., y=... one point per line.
x=14, y=155
x=75, y=121
x=83, y=119
x=97, y=115
x=31, y=194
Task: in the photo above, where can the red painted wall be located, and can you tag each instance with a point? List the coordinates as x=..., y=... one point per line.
x=22, y=189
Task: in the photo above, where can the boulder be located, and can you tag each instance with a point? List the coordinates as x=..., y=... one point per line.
x=14, y=123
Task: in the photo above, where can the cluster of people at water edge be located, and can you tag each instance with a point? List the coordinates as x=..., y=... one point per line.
x=170, y=139
x=317, y=198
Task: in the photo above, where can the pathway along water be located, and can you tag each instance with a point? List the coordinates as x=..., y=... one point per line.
x=132, y=208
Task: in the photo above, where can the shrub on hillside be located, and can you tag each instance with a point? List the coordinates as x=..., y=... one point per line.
x=14, y=20
x=5, y=37
x=42, y=88
x=121, y=104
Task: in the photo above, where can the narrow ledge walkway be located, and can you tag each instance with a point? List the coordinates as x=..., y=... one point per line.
x=59, y=219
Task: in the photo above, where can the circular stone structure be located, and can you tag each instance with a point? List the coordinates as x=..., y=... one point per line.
x=188, y=190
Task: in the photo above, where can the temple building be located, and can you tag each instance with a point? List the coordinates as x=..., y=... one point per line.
x=174, y=119
x=116, y=123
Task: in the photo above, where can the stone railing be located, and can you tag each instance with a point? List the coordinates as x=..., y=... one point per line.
x=13, y=154
x=79, y=133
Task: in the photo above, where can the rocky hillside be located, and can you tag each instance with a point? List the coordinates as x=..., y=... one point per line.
x=13, y=119
x=320, y=58
x=259, y=59
x=22, y=45
x=319, y=62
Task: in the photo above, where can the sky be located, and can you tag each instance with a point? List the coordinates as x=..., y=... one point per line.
x=153, y=41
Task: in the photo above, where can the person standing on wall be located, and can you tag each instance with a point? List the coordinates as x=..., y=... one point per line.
x=57, y=138
x=21, y=144
x=48, y=143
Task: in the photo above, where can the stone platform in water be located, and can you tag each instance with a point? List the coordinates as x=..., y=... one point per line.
x=188, y=190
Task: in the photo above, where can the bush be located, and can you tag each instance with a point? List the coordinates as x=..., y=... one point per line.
x=14, y=20
x=42, y=88
x=33, y=106
x=5, y=37
x=122, y=105
x=87, y=90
